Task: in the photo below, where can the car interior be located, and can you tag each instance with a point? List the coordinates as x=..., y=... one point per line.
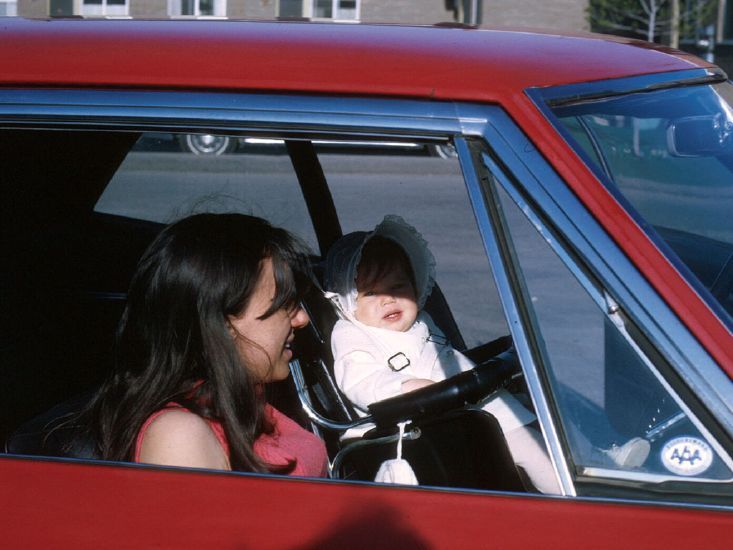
x=64, y=290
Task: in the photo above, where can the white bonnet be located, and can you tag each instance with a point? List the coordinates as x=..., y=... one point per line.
x=344, y=256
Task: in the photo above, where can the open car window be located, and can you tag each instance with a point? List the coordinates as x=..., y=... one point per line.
x=166, y=177
x=87, y=210
x=157, y=182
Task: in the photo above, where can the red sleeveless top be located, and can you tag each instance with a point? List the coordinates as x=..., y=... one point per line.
x=288, y=442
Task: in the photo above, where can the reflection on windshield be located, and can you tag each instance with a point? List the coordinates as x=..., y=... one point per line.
x=670, y=154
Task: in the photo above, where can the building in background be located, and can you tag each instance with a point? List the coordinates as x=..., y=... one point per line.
x=8, y=7
x=408, y=11
x=553, y=14
x=562, y=15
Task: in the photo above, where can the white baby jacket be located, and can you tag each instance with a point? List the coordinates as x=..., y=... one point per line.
x=370, y=364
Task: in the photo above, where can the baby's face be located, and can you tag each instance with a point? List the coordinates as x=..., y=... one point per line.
x=389, y=302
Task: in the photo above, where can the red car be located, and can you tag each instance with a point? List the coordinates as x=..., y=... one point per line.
x=585, y=222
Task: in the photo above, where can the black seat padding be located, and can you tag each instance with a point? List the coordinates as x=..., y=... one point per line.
x=56, y=432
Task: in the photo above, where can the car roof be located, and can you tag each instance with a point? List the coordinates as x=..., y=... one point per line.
x=419, y=62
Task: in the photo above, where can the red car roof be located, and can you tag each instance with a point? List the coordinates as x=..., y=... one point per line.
x=441, y=63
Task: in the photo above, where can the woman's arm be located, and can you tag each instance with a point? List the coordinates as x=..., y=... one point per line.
x=180, y=438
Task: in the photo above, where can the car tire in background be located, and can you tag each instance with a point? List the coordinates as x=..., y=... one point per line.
x=207, y=144
x=443, y=150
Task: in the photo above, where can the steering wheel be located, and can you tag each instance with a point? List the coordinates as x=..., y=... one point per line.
x=453, y=393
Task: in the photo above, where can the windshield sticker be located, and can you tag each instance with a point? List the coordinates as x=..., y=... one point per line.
x=687, y=456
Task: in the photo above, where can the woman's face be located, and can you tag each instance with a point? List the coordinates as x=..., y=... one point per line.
x=264, y=344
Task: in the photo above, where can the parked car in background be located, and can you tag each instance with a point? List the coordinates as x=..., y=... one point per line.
x=210, y=144
x=583, y=221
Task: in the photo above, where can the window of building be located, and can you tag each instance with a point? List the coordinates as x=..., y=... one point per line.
x=197, y=8
x=8, y=7
x=105, y=7
x=341, y=10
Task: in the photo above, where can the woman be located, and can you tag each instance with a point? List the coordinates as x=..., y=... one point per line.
x=210, y=316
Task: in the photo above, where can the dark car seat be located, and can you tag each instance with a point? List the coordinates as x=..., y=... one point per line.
x=56, y=432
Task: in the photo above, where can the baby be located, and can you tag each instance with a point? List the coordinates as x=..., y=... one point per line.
x=386, y=345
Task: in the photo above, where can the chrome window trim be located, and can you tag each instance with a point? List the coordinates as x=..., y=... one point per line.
x=500, y=269
x=205, y=111
x=646, y=477
x=612, y=268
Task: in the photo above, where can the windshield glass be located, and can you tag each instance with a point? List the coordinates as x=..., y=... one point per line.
x=670, y=154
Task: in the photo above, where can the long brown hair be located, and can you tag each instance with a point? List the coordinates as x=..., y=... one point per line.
x=173, y=342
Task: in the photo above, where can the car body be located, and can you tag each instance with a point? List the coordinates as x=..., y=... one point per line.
x=612, y=280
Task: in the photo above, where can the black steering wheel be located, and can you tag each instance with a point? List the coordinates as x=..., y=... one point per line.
x=455, y=392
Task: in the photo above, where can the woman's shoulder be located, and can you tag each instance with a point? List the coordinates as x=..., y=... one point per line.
x=176, y=420
x=178, y=437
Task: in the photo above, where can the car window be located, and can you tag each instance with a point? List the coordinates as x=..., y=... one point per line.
x=429, y=192
x=621, y=418
x=86, y=210
x=168, y=176
x=669, y=154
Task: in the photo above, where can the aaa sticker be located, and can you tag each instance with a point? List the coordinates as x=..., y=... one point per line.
x=687, y=456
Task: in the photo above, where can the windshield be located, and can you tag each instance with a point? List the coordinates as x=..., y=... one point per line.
x=670, y=154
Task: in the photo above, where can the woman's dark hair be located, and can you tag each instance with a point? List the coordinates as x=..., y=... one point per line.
x=380, y=256
x=173, y=341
